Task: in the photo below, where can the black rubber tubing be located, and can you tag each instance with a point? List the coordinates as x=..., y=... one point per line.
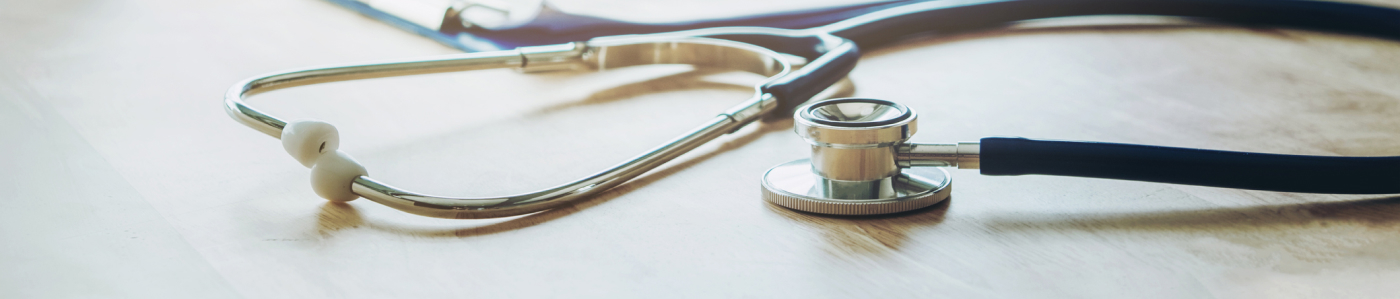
x=890, y=25
x=831, y=57
x=794, y=90
x=1242, y=170
x=1174, y=165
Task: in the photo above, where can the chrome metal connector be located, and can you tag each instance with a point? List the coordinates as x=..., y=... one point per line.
x=753, y=108
x=963, y=155
x=553, y=57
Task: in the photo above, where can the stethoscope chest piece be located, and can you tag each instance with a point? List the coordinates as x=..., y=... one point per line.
x=854, y=168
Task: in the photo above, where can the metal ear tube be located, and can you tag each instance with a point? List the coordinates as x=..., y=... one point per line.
x=861, y=163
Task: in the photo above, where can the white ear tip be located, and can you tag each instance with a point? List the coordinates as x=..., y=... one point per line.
x=307, y=140
x=333, y=174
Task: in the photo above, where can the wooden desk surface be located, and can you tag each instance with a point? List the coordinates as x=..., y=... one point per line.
x=123, y=177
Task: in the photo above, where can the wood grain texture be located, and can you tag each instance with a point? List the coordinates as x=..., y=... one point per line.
x=124, y=177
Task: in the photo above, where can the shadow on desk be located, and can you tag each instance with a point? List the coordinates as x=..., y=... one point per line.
x=1292, y=238
x=1383, y=211
x=868, y=235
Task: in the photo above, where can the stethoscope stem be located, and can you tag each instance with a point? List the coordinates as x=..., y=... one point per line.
x=862, y=163
x=1005, y=156
x=867, y=139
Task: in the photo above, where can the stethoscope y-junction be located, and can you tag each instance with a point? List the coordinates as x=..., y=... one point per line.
x=861, y=162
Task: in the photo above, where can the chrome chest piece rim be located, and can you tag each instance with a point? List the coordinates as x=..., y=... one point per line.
x=793, y=185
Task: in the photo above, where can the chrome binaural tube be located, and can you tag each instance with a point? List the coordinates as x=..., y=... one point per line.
x=473, y=208
x=594, y=55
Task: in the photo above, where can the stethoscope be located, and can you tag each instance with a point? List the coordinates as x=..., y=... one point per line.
x=861, y=162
